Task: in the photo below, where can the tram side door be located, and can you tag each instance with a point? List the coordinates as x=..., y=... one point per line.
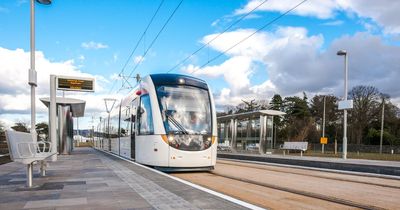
x=133, y=136
x=133, y=128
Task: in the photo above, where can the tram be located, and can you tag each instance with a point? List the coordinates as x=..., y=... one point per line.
x=167, y=121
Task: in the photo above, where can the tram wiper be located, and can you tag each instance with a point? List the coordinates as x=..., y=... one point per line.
x=175, y=122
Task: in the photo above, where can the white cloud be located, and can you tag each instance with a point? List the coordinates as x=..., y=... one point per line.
x=81, y=58
x=333, y=23
x=321, y=9
x=215, y=22
x=93, y=45
x=138, y=59
x=383, y=12
x=295, y=62
x=15, y=91
x=237, y=68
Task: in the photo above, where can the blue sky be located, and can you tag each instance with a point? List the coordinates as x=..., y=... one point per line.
x=292, y=55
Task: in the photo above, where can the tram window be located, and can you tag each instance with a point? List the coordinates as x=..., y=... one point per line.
x=145, y=118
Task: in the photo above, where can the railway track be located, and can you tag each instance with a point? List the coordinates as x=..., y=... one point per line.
x=277, y=187
x=262, y=167
x=300, y=192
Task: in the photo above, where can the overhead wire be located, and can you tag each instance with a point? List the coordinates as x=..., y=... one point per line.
x=155, y=39
x=225, y=30
x=252, y=34
x=138, y=42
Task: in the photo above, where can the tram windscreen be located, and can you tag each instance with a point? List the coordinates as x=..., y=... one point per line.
x=185, y=110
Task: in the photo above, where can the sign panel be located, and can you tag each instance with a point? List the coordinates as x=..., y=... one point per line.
x=75, y=84
x=324, y=140
x=347, y=104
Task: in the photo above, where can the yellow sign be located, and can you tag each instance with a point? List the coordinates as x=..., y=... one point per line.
x=324, y=140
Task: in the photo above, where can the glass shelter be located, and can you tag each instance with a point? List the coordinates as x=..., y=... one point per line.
x=248, y=131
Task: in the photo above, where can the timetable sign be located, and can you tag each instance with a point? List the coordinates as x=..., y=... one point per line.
x=75, y=84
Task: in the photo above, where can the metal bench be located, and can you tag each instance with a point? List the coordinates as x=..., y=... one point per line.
x=294, y=145
x=24, y=149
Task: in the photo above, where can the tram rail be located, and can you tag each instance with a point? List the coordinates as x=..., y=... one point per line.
x=299, y=187
x=261, y=167
x=301, y=192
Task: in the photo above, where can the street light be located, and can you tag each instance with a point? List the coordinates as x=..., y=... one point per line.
x=32, y=80
x=344, y=53
x=32, y=72
x=45, y=2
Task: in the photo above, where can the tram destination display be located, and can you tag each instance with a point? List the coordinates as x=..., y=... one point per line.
x=75, y=84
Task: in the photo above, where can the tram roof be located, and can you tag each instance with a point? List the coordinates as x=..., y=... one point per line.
x=253, y=114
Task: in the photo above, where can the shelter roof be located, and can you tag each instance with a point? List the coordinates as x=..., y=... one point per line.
x=77, y=105
x=252, y=114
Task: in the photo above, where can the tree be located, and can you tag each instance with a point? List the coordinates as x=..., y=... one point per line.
x=366, y=101
x=276, y=103
x=42, y=129
x=20, y=126
x=332, y=114
x=298, y=120
x=250, y=106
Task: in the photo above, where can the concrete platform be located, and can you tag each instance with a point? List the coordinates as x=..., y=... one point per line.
x=89, y=179
x=355, y=165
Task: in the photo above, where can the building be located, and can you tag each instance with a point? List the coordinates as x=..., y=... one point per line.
x=249, y=131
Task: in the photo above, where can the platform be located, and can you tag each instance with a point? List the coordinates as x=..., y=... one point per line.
x=90, y=179
x=354, y=165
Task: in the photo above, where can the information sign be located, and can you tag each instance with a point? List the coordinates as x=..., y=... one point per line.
x=324, y=140
x=75, y=84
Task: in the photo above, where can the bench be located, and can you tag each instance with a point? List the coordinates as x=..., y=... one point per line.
x=24, y=149
x=294, y=145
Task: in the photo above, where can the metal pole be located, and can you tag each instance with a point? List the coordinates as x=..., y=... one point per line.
x=383, y=118
x=345, y=111
x=77, y=131
x=32, y=72
x=323, y=125
x=53, y=116
x=29, y=174
x=108, y=132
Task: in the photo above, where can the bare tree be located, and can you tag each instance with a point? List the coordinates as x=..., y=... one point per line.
x=21, y=126
x=366, y=101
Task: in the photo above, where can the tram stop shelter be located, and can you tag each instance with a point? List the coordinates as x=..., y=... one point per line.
x=248, y=131
x=67, y=108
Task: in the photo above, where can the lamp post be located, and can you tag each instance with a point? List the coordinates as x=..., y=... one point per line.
x=382, y=121
x=344, y=53
x=32, y=80
x=32, y=72
x=323, y=125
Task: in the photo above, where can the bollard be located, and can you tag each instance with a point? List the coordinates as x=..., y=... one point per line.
x=392, y=152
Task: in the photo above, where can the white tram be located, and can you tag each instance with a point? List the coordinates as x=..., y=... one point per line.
x=168, y=121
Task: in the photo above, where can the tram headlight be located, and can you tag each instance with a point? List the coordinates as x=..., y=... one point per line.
x=170, y=139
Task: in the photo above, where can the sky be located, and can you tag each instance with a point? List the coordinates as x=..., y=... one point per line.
x=249, y=49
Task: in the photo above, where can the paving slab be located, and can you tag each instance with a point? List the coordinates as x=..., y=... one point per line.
x=90, y=179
